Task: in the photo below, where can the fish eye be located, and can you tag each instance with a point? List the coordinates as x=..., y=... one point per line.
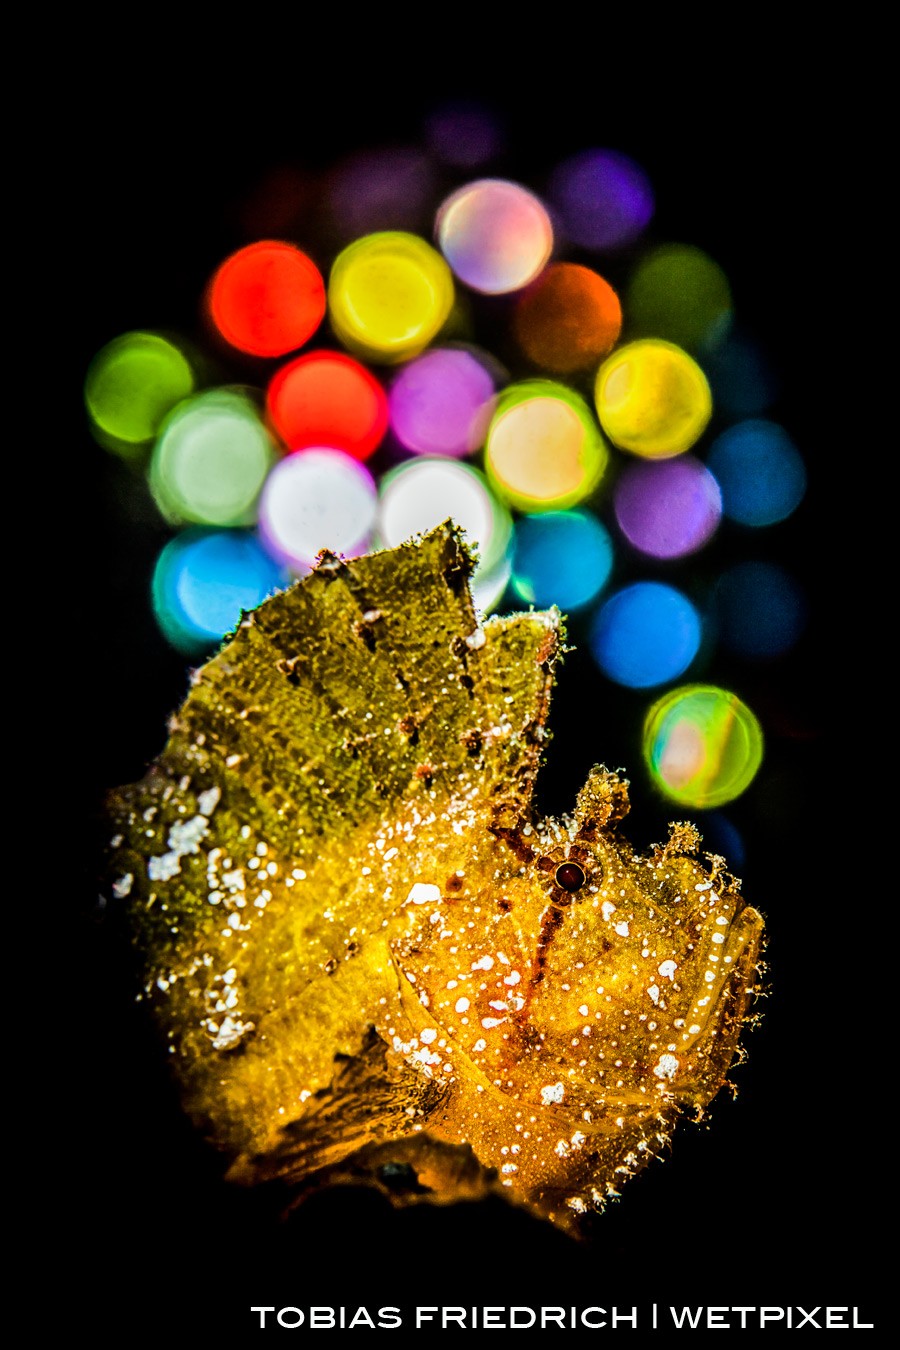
x=570, y=876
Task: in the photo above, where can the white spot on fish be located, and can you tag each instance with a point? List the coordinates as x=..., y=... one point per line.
x=208, y=801
x=667, y=1067
x=423, y=893
x=164, y=867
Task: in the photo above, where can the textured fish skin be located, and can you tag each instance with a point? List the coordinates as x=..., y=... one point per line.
x=370, y=959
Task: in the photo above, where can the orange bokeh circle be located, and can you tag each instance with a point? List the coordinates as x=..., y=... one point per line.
x=567, y=320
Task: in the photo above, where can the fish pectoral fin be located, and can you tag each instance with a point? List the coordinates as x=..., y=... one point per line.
x=370, y=1098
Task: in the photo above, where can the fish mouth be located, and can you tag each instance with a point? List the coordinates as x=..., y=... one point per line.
x=729, y=983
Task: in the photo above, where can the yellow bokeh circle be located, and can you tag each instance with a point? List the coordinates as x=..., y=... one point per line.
x=389, y=295
x=544, y=450
x=652, y=399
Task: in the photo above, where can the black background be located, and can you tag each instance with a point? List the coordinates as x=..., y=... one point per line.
x=778, y=1201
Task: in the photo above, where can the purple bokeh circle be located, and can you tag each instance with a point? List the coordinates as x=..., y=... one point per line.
x=604, y=199
x=441, y=403
x=668, y=508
